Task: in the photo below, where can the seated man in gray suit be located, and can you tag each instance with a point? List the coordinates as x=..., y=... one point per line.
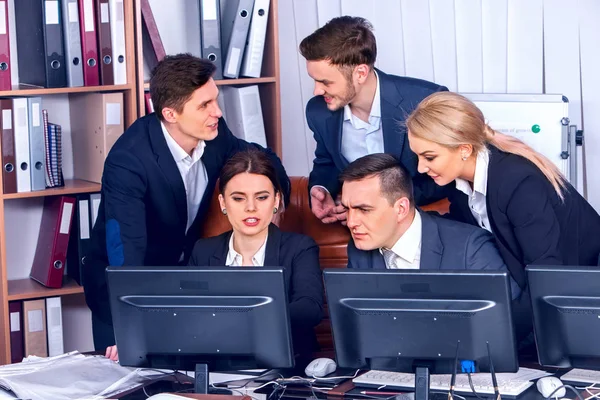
x=389, y=232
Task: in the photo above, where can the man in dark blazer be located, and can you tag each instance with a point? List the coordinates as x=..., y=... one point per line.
x=357, y=110
x=299, y=255
x=158, y=181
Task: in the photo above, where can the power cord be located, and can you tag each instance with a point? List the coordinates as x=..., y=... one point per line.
x=473, y=386
x=571, y=388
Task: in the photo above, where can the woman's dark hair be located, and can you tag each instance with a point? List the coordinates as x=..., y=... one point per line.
x=252, y=161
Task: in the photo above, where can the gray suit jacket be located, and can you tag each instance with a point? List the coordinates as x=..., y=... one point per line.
x=445, y=244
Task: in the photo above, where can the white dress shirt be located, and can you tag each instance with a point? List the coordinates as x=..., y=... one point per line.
x=477, y=195
x=408, y=247
x=235, y=259
x=360, y=138
x=193, y=174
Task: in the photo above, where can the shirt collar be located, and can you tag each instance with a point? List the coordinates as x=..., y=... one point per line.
x=233, y=257
x=407, y=247
x=179, y=154
x=480, y=179
x=375, y=107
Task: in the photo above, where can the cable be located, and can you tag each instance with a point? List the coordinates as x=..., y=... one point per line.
x=473, y=387
x=571, y=388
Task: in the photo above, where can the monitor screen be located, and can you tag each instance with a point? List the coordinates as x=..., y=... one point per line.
x=566, y=312
x=177, y=317
x=400, y=319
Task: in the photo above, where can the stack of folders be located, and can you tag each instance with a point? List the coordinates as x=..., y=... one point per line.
x=35, y=328
x=66, y=43
x=53, y=149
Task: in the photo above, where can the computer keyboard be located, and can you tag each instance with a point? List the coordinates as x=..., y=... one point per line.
x=481, y=381
x=581, y=376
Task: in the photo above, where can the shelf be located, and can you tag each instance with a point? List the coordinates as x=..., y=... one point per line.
x=225, y=82
x=22, y=289
x=72, y=186
x=31, y=91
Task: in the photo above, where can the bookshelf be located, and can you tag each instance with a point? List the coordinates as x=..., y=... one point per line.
x=23, y=289
x=268, y=83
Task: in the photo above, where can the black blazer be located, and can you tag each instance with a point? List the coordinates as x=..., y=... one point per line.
x=299, y=255
x=530, y=222
x=399, y=97
x=143, y=211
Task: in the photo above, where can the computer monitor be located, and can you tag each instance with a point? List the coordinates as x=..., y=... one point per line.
x=566, y=315
x=412, y=320
x=182, y=317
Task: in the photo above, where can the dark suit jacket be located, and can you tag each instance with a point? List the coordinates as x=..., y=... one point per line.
x=143, y=210
x=399, y=97
x=299, y=255
x=531, y=224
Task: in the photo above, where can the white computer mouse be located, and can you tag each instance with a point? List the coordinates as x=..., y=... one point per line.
x=167, y=396
x=548, y=384
x=320, y=367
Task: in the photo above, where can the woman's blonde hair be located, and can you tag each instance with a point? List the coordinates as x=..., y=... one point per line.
x=451, y=120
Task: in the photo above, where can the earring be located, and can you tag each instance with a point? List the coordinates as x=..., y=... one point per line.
x=464, y=158
x=275, y=210
x=224, y=211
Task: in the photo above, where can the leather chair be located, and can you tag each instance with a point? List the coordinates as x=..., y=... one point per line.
x=331, y=238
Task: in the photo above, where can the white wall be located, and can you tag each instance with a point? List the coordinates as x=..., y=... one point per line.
x=481, y=46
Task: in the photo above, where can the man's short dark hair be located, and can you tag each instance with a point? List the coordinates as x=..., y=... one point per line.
x=175, y=78
x=343, y=41
x=394, y=179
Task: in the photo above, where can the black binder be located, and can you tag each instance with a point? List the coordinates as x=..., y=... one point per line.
x=79, y=241
x=41, y=51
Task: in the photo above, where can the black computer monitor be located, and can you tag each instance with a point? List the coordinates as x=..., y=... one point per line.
x=412, y=320
x=566, y=315
x=182, y=317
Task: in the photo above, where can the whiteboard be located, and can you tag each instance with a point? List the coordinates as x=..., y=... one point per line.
x=536, y=119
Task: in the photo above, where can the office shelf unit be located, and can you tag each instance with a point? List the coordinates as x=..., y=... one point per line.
x=268, y=83
x=22, y=289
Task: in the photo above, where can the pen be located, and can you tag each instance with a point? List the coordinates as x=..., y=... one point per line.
x=376, y=393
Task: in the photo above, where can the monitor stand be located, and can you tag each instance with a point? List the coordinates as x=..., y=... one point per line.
x=422, y=383
x=201, y=379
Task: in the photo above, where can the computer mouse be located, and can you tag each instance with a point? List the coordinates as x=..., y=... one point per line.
x=549, y=384
x=320, y=367
x=167, y=396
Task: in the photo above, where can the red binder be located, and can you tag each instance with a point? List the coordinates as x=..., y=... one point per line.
x=89, y=44
x=15, y=308
x=51, y=251
x=104, y=43
x=5, y=83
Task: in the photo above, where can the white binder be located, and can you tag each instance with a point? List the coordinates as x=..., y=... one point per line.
x=21, y=132
x=237, y=42
x=253, y=56
x=244, y=113
x=73, y=58
x=117, y=39
x=210, y=27
x=54, y=326
x=37, y=145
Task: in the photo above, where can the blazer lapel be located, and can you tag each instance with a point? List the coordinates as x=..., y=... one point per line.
x=168, y=166
x=376, y=260
x=394, y=134
x=273, y=246
x=219, y=257
x=431, y=244
x=334, y=128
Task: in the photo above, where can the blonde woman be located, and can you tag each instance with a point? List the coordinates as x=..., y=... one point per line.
x=504, y=186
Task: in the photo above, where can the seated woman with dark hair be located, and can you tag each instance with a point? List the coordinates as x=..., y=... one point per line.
x=249, y=196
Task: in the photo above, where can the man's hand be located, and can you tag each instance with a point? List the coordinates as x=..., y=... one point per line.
x=324, y=208
x=112, y=353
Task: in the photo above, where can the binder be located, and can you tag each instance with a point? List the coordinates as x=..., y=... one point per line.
x=117, y=37
x=210, y=34
x=104, y=43
x=72, y=35
x=244, y=113
x=37, y=151
x=98, y=120
x=53, y=239
x=55, y=137
x=21, y=132
x=95, y=199
x=41, y=52
x=151, y=41
x=15, y=308
x=79, y=241
x=237, y=41
x=149, y=105
x=5, y=81
x=89, y=46
x=34, y=321
x=253, y=56
x=9, y=172
x=54, y=326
